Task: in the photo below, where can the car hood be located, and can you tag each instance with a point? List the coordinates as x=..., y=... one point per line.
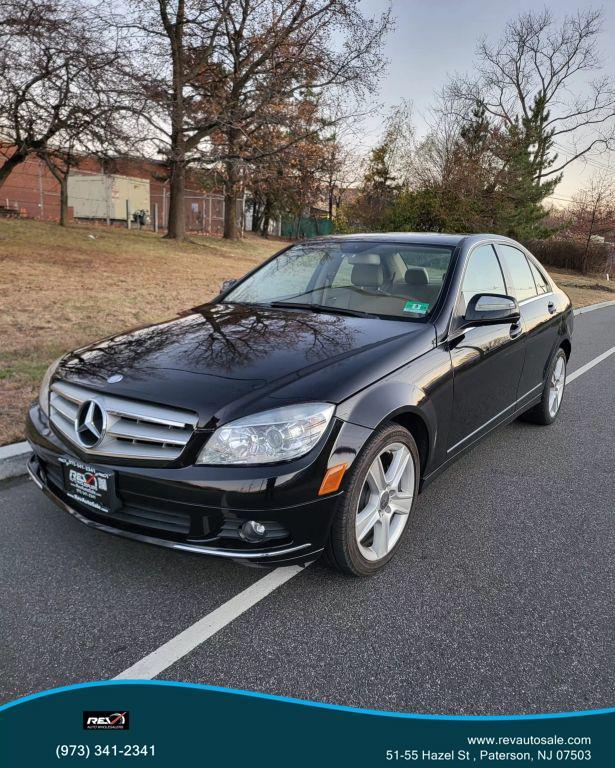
x=221, y=357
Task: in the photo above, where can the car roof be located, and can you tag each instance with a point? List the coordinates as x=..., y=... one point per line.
x=414, y=238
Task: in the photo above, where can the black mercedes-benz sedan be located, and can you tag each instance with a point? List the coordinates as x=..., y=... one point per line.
x=303, y=410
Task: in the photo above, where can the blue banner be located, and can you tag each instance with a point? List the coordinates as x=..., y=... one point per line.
x=175, y=724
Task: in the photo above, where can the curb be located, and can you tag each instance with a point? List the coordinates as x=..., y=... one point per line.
x=13, y=458
x=591, y=307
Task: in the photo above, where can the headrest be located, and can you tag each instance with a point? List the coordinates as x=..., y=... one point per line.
x=364, y=258
x=367, y=275
x=417, y=276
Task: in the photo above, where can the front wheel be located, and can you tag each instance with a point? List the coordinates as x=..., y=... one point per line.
x=373, y=514
x=545, y=412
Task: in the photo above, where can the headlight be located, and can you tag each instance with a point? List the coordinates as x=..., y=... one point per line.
x=268, y=437
x=43, y=395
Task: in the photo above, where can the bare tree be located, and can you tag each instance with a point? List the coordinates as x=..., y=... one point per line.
x=341, y=169
x=99, y=128
x=592, y=214
x=281, y=58
x=273, y=59
x=288, y=175
x=344, y=163
x=219, y=73
x=546, y=73
x=54, y=60
x=169, y=46
x=434, y=156
x=99, y=132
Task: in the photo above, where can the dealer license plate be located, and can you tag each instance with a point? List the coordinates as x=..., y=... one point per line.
x=89, y=485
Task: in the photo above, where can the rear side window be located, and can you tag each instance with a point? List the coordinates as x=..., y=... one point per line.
x=519, y=274
x=483, y=275
x=542, y=285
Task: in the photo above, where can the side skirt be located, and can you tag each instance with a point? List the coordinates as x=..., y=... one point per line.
x=425, y=481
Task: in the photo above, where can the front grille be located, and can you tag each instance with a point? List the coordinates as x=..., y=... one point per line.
x=134, y=430
x=150, y=517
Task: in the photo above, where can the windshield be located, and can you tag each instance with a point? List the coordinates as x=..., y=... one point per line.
x=386, y=279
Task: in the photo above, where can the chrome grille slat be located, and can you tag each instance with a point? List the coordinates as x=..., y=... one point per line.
x=68, y=394
x=139, y=430
x=66, y=426
x=141, y=414
x=68, y=408
x=135, y=430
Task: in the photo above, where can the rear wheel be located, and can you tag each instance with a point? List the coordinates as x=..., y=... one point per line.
x=546, y=411
x=373, y=515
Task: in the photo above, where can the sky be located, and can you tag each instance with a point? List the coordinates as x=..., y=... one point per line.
x=435, y=38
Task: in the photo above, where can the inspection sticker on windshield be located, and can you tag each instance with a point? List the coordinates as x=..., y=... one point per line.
x=418, y=307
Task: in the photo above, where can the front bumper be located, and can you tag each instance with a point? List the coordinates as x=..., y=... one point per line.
x=290, y=554
x=200, y=509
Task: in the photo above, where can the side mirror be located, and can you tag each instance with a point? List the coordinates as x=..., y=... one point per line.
x=490, y=309
x=227, y=285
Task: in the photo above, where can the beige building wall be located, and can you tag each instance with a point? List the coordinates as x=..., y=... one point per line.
x=99, y=196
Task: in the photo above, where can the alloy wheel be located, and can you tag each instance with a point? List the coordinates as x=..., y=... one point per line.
x=385, y=501
x=556, y=386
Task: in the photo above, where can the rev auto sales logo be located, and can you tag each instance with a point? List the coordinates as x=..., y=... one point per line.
x=106, y=721
x=87, y=479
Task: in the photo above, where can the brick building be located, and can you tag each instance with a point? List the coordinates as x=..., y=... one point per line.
x=31, y=190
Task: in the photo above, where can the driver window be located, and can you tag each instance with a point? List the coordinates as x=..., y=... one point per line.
x=483, y=275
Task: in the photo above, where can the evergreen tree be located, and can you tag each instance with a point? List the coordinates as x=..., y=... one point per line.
x=528, y=155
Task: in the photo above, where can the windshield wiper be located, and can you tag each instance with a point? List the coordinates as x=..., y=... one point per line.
x=323, y=309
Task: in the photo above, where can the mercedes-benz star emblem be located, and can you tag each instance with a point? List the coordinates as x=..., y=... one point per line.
x=90, y=423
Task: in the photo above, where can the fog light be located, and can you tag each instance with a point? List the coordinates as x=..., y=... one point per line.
x=253, y=531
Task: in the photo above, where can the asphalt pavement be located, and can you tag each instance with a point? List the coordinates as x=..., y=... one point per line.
x=500, y=600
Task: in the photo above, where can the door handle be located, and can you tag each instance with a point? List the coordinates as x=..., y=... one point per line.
x=515, y=330
x=551, y=307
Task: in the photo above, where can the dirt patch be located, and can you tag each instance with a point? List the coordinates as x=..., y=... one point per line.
x=584, y=289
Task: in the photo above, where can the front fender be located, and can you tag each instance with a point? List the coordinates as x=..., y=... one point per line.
x=376, y=405
x=423, y=388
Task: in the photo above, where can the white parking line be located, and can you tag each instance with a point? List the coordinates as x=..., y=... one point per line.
x=584, y=368
x=180, y=645
x=163, y=657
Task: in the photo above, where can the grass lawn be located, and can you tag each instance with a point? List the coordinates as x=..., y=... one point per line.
x=62, y=288
x=584, y=289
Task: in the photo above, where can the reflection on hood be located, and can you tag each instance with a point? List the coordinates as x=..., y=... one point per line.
x=234, y=341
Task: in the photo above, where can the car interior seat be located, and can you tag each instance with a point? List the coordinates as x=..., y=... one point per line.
x=416, y=286
x=370, y=277
x=367, y=275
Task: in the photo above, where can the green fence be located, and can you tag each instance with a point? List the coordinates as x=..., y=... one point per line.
x=305, y=227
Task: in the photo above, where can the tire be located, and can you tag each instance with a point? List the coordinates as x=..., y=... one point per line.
x=352, y=550
x=546, y=411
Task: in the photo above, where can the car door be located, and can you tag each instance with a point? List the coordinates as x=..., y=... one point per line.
x=487, y=360
x=539, y=315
